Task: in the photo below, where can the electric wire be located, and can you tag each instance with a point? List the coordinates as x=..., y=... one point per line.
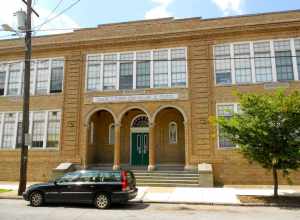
x=50, y=14
x=60, y=13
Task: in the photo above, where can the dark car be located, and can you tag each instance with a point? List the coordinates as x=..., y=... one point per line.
x=101, y=188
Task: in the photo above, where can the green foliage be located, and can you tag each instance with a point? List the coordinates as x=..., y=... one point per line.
x=267, y=130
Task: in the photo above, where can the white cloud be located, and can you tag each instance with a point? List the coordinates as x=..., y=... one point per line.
x=229, y=6
x=159, y=11
x=61, y=22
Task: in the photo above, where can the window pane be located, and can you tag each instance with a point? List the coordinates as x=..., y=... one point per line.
x=53, y=130
x=8, y=136
x=242, y=63
x=172, y=133
x=143, y=70
x=225, y=111
x=14, y=78
x=57, y=73
x=222, y=64
x=297, y=47
x=160, y=68
x=263, y=64
x=93, y=73
x=38, y=128
x=42, y=74
x=126, y=71
x=284, y=62
x=2, y=78
x=178, y=67
x=19, y=131
x=110, y=72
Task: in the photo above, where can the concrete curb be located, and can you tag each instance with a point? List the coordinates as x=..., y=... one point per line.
x=219, y=204
x=11, y=197
x=190, y=203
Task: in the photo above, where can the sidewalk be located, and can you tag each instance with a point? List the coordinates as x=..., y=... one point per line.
x=213, y=196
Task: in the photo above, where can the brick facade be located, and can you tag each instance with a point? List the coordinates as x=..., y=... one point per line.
x=192, y=109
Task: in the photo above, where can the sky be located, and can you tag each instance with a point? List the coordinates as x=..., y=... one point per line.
x=90, y=13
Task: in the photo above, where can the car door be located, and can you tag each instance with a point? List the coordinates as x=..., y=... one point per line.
x=66, y=186
x=52, y=193
x=80, y=189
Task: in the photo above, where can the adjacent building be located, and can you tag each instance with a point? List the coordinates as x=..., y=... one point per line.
x=140, y=94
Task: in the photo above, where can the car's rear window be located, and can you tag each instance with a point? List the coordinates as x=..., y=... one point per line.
x=130, y=177
x=111, y=176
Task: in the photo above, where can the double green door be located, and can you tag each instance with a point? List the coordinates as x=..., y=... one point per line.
x=140, y=149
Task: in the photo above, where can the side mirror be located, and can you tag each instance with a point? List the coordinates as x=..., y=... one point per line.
x=55, y=182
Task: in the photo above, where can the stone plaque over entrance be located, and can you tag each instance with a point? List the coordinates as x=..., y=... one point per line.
x=134, y=98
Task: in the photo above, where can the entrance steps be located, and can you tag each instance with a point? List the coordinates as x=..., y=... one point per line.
x=166, y=178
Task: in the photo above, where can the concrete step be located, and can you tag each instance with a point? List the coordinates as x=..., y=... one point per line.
x=168, y=184
x=158, y=175
x=167, y=178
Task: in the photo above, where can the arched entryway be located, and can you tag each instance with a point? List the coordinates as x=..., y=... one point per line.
x=134, y=137
x=100, y=146
x=139, y=141
x=170, y=144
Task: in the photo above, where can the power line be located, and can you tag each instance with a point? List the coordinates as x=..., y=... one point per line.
x=60, y=13
x=54, y=9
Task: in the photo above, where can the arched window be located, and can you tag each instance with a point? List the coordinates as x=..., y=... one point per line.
x=172, y=133
x=140, y=122
x=111, y=134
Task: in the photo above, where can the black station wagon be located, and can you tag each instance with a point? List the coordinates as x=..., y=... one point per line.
x=101, y=188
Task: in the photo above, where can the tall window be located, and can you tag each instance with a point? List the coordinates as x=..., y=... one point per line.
x=93, y=73
x=8, y=133
x=32, y=77
x=284, y=61
x=297, y=47
x=223, y=64
x=41, y=85
x=242, y=63
x=143, y=70
x=263, y=63
x=126, y=71
x=178, y=67
x=53, y=129
x=2, y=78
x=19, y=131
x=173, y=133
x=57, y=74
x=160, y=68
x=38, y=128
x=14, y=79
x=225, y=111
x=111, y=134
x=110, y=72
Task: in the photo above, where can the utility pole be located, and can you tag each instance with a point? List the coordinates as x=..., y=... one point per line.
x=26, y=95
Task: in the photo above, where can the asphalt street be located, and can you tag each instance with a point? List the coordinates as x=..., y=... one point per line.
x=19, y=209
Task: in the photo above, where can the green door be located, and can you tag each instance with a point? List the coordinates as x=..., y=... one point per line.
x=139, y=149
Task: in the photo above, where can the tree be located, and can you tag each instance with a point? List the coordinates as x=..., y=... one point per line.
x=267, y=131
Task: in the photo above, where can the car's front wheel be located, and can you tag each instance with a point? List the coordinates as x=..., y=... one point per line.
x=36, y=199
x=102, y=201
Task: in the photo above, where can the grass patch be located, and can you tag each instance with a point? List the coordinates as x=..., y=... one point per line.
x=281, y=200
x=5, y=190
